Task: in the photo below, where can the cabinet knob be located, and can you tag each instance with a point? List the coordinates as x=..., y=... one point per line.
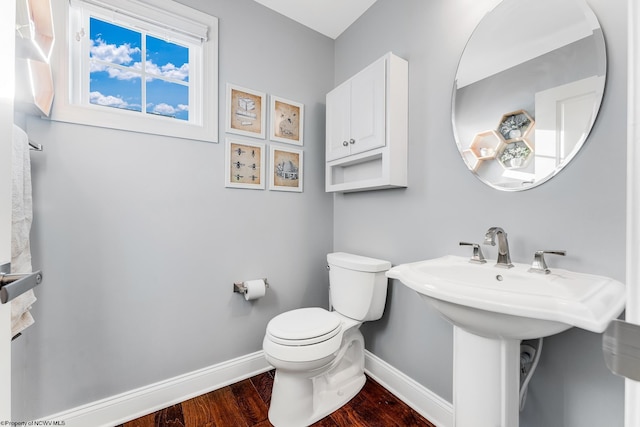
x=345, y=143
x=352, y=141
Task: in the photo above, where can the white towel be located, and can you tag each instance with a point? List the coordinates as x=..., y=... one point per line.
x=21, y=217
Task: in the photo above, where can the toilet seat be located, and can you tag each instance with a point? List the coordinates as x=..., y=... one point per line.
x=304, y=335
x=305, y=326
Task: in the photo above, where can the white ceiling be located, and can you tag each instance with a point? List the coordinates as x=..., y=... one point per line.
x=328, y=17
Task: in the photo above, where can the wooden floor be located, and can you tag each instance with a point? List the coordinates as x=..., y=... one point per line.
x=245, y=404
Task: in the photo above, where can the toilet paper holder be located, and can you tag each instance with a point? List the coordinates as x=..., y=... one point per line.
x=241, y=288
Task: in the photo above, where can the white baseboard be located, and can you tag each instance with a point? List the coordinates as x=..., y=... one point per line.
x=133, y=404
x=136, y=403
x=424, y=401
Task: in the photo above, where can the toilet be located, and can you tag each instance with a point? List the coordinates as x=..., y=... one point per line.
x=319, y=354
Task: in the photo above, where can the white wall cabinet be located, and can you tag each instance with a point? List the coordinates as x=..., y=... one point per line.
x=366, y=146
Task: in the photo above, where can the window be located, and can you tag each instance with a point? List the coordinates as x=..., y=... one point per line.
x=120, y=59
x=140, y=66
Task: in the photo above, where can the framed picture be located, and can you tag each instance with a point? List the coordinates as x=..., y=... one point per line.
x=286, y=169
x=287, y=121
x=244, y=164
x=246, y=111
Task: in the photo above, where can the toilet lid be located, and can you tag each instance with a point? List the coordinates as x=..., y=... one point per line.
x=304, y=324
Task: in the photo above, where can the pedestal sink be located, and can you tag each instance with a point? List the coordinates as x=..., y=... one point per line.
x=492, y=310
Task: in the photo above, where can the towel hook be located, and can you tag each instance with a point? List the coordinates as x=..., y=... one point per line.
x=35, y=147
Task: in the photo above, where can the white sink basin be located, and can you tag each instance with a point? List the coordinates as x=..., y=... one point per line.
x=513, y=303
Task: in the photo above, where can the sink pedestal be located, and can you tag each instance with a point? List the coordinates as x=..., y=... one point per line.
x=486, y=380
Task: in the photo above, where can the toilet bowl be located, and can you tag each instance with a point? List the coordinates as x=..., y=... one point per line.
x=319, y=354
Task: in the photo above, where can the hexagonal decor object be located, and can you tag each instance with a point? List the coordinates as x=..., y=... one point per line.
x=485, y=145
x=514, y=125
x=516, y=154
x=471, y=160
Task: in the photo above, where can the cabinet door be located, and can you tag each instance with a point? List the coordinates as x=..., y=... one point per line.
x=368, y=95
x=338, y=129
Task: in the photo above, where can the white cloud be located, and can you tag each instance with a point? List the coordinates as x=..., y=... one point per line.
x=164, y=109
x=117, y=73
x=120, y=55
x=120, y=74
x=107, y=100
x=169, y=110
x=168, y=70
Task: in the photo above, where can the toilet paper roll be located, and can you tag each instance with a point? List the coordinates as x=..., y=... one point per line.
x=255, y=289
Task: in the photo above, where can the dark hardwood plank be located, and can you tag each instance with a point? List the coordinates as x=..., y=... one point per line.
x=251, y=405
x=170, y=417
x=224, y=409
x=382, y=401
x=263, y=384
x=246, y=403
x=360, y=411
x=197, y=412
x=346, y=416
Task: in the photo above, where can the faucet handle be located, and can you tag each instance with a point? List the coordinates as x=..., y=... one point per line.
x=539, y=265
x=478, y=256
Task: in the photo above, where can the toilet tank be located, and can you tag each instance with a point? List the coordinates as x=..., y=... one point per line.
x=357, y=285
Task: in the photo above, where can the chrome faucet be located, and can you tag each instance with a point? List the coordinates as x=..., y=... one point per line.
x=504, y=259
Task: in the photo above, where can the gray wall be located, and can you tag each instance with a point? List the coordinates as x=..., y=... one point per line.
x=581, y=210
x=140, y=242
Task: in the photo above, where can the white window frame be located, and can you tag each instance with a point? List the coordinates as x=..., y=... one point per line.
x=166, y=18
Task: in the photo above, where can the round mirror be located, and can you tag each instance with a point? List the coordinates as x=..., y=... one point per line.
x=527, y=91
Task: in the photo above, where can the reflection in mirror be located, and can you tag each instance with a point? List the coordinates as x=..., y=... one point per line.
x=528, y=89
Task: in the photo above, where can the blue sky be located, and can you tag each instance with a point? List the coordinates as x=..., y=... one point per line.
x=116, y=71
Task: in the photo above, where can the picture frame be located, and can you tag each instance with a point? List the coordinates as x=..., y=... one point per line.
x=245, y=164
x=246, y=111
x=287, y=121
x=286, y=169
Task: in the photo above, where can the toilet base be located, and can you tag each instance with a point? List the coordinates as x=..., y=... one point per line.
x=301, y=398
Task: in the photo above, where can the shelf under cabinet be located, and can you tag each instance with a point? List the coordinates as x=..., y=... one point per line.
x=367, y=171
